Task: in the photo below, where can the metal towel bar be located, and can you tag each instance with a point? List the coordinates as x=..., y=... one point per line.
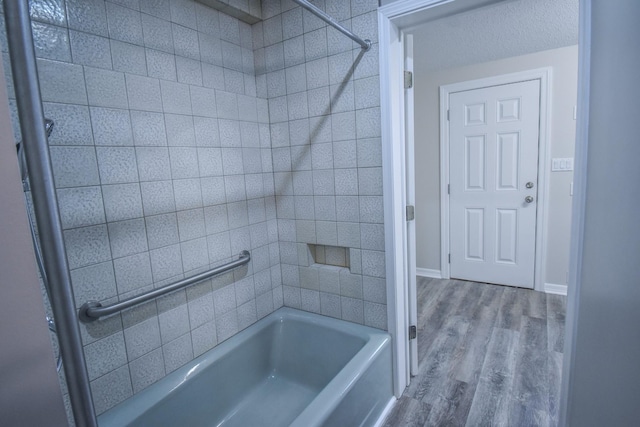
x=93, y=310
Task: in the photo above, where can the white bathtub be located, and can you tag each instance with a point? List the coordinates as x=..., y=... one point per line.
x=291, y=368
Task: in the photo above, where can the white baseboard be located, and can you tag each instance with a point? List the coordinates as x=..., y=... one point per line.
x=428, y=272
x=386, y=412
x=552, y=288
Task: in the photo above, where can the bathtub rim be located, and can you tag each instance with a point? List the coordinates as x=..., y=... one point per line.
x=375, y=339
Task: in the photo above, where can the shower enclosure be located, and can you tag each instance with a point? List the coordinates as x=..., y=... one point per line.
x=183, y=136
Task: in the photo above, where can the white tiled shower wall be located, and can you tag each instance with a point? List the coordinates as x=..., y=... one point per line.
x=324, y=110
x=184, y=136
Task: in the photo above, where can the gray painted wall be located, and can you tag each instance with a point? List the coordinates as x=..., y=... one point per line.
x=29, y=393
x=603, y=346
x=564, y=65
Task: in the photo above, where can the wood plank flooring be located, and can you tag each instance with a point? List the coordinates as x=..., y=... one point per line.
x=489, y=355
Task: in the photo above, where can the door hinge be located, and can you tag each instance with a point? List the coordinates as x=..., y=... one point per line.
x=448, y=188
x=408, y=79
x=449, y=258
x=411, y=213
x=413, y=332
x=448, y=115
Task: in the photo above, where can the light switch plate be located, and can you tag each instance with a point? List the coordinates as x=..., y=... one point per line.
x=562, y=164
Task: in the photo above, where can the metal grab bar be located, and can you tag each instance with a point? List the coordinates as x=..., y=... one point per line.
x=93, y=310
x=366, y=44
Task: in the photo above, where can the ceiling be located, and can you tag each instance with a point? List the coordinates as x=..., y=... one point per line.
x=500, y=30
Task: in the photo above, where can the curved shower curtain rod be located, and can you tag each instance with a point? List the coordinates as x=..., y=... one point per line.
x=365, y=44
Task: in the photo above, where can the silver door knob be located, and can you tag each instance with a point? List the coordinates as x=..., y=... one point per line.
x=528, y=199
x=529, y=184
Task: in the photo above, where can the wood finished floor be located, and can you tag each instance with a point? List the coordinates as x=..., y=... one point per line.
x=488, y=356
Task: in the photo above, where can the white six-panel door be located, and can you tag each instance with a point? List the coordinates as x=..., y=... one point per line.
x=494, y=133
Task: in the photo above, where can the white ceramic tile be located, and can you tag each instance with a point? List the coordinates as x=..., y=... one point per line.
x=219, y=248
x=315, y=44
x=342, y=97
x=153, y=163
x=105, y=88
x=185, y=42
x=294, y=51
x=227, y=105
x=158, y=8
x=234, y=187
x=147, y=370
x=210, y=49
x=91, y=50
x=72, y=124
x=203, y=101
x=122, y=201
x=352, y=309
x=162, y=230
x=368, y=123
x=370, y=181
x=74, y=166
x=320, y=129
x=127, y=237
x=148, y=128
x=88, y=15
x=325, y=208
x=322, y=156
x=207, y=20
x=166, y=262
x=347, y=208
x=132, y=272
x=111, y=389
x=229, y=29
x=374, y=289
x=343, y=126
x=276, y=83
x=161, y=65
x=87, y=245
x=330, y=305
x=187, y=193
x=59, y=82
x=233, y=81
x=206, y=132
x=323, y=183
x=128, y=58
x=375, y=315
x=188, y=71
x=274, y=57
x=346, y=181
x=117, y=165
x=80, y=206
x=124, y=24
x=50, y=11
x=213, y=192
x=95, y=282
x=209, y=161
x=183, y=12
x=157, y=197
x=292, y=23
x=157, y=33
x=180, y=132
x=175, y=97
x=177, y=352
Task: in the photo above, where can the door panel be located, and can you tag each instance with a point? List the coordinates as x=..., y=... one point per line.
x=493, y=147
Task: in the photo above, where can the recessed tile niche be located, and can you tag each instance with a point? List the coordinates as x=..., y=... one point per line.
x=330, y=255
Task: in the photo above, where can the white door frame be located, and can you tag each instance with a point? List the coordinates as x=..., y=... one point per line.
x=391, y=62
x=544, y=160
x=392, y=131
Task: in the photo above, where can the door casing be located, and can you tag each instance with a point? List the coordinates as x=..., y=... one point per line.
x=544, y=160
